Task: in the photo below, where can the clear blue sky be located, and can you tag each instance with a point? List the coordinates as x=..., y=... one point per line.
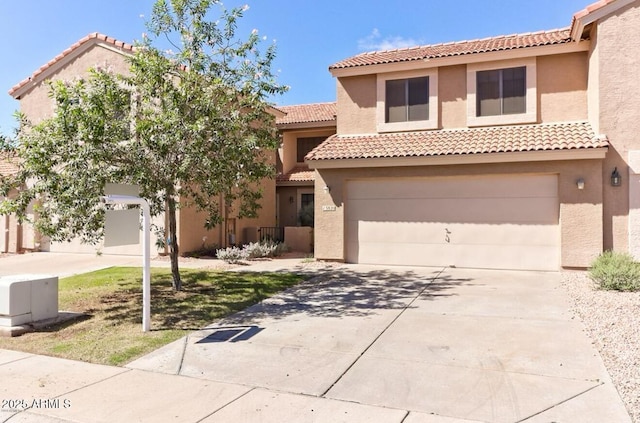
x=310, y=34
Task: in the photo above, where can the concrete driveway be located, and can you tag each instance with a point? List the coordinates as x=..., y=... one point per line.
x=403, y=345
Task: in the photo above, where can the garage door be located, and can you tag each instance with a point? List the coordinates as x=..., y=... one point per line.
x=493, y=222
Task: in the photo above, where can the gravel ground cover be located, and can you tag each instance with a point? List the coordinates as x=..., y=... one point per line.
x=612, y=320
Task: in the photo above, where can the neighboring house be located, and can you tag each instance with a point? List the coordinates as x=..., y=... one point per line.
x=97, y=50
x=14, y=236
x=511, y=152
x=302, y=128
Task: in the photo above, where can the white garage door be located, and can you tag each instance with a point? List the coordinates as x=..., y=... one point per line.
x=492, y=222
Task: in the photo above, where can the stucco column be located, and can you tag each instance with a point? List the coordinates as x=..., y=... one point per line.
x=634, y=203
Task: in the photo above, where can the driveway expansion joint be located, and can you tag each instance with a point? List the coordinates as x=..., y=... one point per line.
x=364, y=351
x=524, y=420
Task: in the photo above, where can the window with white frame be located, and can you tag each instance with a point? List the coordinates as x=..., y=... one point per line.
x=407, y=101
x=501, y=92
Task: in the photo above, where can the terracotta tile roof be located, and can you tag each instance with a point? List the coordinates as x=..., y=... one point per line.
x=94, y=36
x=297, y=174
x=307, y=113
x=592, y=8
x=504, y=42
x=8, y=165
x=498, y=139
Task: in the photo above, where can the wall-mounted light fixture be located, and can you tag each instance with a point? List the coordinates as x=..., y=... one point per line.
x=291, y=199
x=616, y=179
x=326, y=189
x=580, y=183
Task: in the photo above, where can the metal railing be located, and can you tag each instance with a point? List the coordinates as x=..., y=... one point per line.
x=271, y=233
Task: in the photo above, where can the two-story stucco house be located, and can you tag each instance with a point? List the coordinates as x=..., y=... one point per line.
x=511, y=152
x=97, y=50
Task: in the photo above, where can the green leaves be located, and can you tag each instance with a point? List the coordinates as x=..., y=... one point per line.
x=193, y=123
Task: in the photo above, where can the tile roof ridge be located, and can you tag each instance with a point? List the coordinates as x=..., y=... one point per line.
x=473, y=40
x=307, y=104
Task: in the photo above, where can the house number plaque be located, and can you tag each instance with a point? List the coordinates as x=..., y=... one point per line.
x=328, y=208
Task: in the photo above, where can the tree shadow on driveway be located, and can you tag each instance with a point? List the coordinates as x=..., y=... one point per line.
x=351, y=292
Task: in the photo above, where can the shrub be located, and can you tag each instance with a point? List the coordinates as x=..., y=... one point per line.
x=232, y=255
x=615, y=271
x=305, y=215
x=259, y=249
x=263, y=249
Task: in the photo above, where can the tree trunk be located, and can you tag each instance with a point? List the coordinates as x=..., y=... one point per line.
x=173, y=242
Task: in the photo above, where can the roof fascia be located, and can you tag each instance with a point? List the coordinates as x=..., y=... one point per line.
x=46, y=74
x=459, y=159
x=307, y=125
x=294, y=183
x=580, y=20
x=463, y=59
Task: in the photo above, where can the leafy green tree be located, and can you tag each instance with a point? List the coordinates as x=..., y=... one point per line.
x=189, y=126
x=7, y=144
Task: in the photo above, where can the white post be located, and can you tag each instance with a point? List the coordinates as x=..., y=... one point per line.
x=146, y=267
x=146, y=251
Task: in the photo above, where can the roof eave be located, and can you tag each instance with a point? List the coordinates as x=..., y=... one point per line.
x=294, y=183
x=458, y=159
x=516, y=53
x=307, y=125
x=592, y=13
x=59, y=62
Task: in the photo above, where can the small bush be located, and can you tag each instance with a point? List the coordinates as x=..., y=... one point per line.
x=615, y=271
x=259, y=249
x=232, y=255
x=305, y=215
x=264, y=249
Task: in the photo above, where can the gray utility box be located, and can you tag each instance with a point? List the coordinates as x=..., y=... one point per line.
x=27, y=298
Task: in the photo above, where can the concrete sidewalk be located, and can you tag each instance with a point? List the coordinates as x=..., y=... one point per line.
x=68, y=264
x=357, y=344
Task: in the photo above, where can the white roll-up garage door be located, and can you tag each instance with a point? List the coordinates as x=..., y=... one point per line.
x=492, y=222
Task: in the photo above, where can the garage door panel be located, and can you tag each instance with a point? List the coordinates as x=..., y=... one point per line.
x=489, y=257
x=485, y=210
x=453, y=233
x=502, y=222
x=465, y=187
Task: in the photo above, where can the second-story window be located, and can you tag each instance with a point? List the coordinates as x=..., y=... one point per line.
x=501, y=91
x=407, y=100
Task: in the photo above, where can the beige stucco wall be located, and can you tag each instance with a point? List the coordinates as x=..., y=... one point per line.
x=580, y=210
x=356, y=105
x=288, y=207
x=562, y=87
x=616, y=56
x=289, y=149
x=36, y=103
x=452, y=96
x=299, y=238
x=561, y=94
x=191, y=222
